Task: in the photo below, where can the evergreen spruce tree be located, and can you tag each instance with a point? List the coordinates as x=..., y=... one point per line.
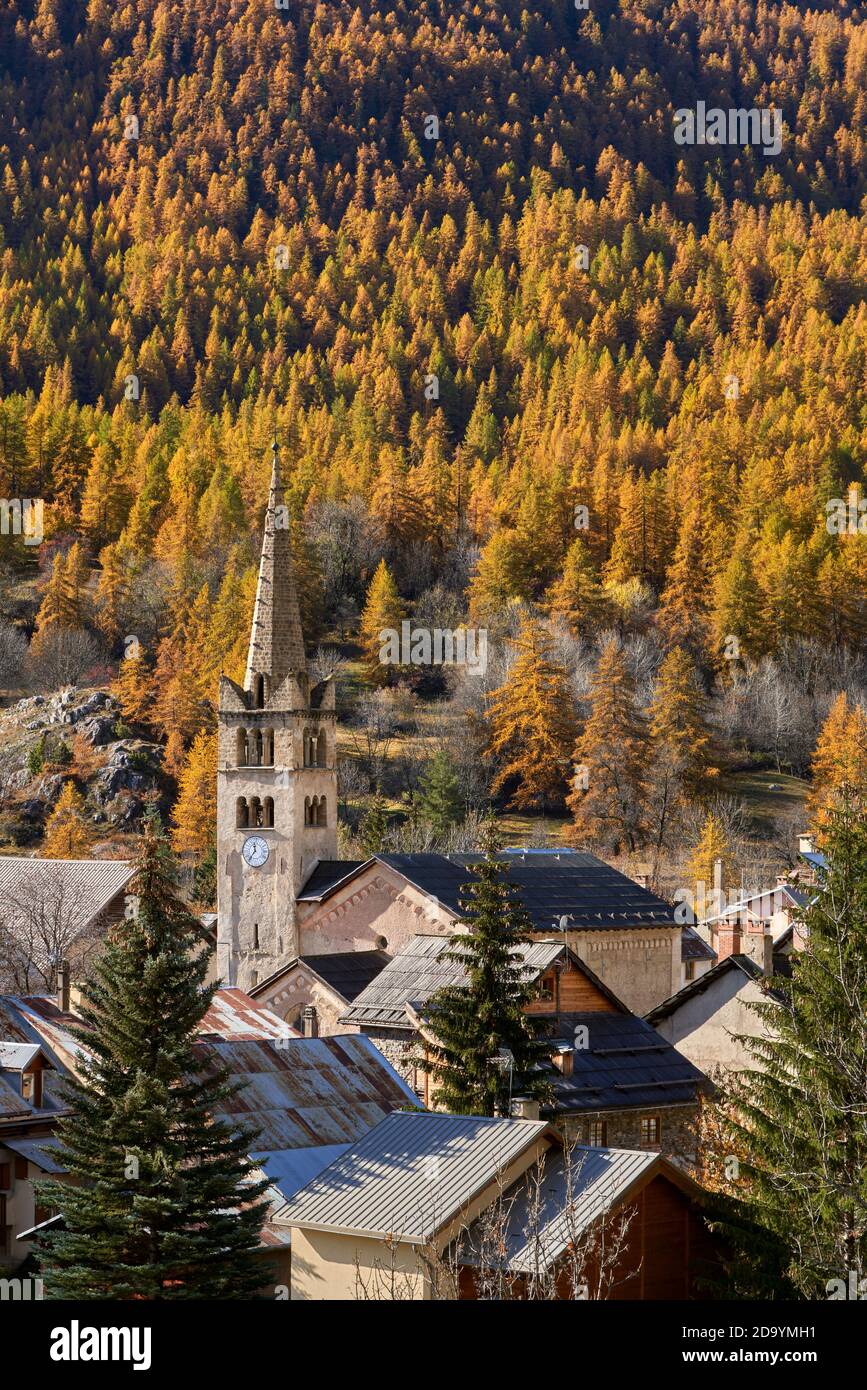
x=483, y=1048
x=795, y=1217
x=439, y=799
x=374, y=826
x=161, y=1204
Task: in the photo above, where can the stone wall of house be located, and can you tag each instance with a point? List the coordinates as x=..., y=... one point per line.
x=640, y=965
x=376, y=910
x=398, y=1049
x=677, y=1130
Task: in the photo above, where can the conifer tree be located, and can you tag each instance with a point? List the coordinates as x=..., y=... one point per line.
x=795, y=1218
x=840, y=759
x=383, y=611
x=439, y=796
x=482, y=1048
x=374, y=826
x=162, y=1204
x=195, y=810
x=577, y=596
x=608, y=789
x=678, y=726
x=712, y=844
x=132, y=687
x=66, y=832
x=531, y=724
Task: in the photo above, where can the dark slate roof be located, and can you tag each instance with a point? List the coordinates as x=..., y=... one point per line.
x=569, y=884
x=348, y=972
x=328, y=875
x=692, y=947
x=745, y=964
x=625, y=1064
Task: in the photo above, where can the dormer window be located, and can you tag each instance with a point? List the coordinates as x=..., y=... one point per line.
x=31, y=1088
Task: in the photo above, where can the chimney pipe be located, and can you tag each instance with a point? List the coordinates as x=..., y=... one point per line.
x=524, y=1108
x=309, y=1022
x=63, y=986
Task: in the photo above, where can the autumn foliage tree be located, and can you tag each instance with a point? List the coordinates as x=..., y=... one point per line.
x=531, y=725
x=608, y=788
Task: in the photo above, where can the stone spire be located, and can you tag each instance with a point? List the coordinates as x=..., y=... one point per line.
x=276, y=640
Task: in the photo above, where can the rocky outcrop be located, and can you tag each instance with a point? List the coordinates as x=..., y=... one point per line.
x=46, y=739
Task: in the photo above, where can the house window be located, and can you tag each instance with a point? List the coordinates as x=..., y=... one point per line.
x=689, y=970
x=546, y=989
x=650, y=1131
x=597, y=1136
x=6, y=1175
x=31, y=1087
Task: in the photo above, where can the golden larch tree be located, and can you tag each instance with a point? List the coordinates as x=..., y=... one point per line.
x=608, y=787
x=531, y=724
x=66, y=832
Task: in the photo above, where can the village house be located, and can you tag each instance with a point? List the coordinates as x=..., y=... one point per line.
x=706, y=1019
x=308, y=1098
x=614, y=1081
x=416, y=1210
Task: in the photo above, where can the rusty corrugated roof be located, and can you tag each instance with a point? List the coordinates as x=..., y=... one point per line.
x=309, y=1091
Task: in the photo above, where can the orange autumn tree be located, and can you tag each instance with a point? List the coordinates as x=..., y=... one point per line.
x=195, y=812
x=383, y=611
x=66, y=833
x=531, y=724
x=608, y=790
x=839, y=760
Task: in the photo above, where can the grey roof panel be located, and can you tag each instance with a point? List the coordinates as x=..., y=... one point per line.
x=569, y=1202
x=411, y=1175
x=418, y=971
x=625, y=1064
x=348, y=972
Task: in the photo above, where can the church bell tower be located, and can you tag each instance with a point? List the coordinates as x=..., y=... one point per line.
x=276, y=774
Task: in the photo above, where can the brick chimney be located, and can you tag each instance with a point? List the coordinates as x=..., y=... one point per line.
x=729, y=935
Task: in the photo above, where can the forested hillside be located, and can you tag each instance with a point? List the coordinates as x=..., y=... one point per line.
x=361, y=226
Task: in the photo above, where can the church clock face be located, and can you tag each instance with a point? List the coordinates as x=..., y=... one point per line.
x=255, y=851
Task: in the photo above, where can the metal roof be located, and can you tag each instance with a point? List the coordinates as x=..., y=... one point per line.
x=625, y=1065
x=557, y=1201
x=291, y=1169
x=12, y=1104
x=347, y=972
x=17, y=1056
x=38, y=1151
x=411, y=1175
x=418, y=971
x=591, y=894
x=233, y=1015
x=306, y=1092
x=87, y=885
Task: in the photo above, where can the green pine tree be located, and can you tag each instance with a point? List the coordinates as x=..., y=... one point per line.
x=439, y=800
x=482, y=1048
x=161, y=1204
x=796, y=1217
x=374, y=826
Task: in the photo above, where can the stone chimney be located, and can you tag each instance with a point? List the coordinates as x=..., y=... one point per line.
x=309, y=1022
x=642, y=875
x=759, y=945
x=806, y=843
x=63, y=986
x=524, y=1108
